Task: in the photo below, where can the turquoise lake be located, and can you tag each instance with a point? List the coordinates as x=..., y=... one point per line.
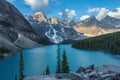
x=36, y=59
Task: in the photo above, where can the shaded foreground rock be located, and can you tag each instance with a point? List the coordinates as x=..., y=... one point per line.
x=105, y=72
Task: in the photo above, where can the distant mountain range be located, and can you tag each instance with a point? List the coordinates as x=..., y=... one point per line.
x=51, y=30
x=93, y=27
x=106, y=23
x=16, y=31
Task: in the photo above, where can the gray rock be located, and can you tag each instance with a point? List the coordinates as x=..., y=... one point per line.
x=80, y=70
x=25, y=42
x=105, y=72
x=13, y=22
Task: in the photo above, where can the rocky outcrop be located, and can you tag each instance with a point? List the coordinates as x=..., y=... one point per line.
x=72, y=23
x=40, y=17
x=65, y=24
x=54, y=21
x=105, y=72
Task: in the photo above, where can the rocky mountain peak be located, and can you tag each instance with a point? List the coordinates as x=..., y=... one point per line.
x=54, y=20
x=90, y=21
x=64, y=23
x=72, y=23
x=40, y=17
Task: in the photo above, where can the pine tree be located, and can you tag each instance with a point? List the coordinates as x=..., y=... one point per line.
x=16, y=77
x=65, y=66
x=21, y=64
x=58, y=70
x=47, y=70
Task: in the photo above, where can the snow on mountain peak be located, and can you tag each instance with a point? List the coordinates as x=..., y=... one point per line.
x=84, y=17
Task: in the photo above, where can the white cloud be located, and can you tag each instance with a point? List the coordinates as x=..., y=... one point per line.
x=60, y=13
x=115, y=14
x=103, y=12
x=93, y=10
x=84, y=17
x=67, y=14
x=38, y=5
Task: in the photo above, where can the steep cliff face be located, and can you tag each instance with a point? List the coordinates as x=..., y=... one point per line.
x=13, y=22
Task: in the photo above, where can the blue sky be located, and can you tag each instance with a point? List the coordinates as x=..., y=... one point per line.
x=76, y=7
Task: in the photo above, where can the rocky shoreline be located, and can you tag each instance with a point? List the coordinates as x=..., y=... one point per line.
x=105, y=72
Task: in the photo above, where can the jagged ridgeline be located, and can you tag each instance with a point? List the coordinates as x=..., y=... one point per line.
x=108, y=43
x=52, y=30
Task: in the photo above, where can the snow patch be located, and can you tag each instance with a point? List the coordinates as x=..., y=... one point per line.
x=19, y=35
x=62, y=30
x=55, y=38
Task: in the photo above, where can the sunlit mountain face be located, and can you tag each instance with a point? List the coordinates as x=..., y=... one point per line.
x=59, y=40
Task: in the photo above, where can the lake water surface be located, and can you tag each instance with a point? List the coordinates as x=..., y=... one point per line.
x=36, y=59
